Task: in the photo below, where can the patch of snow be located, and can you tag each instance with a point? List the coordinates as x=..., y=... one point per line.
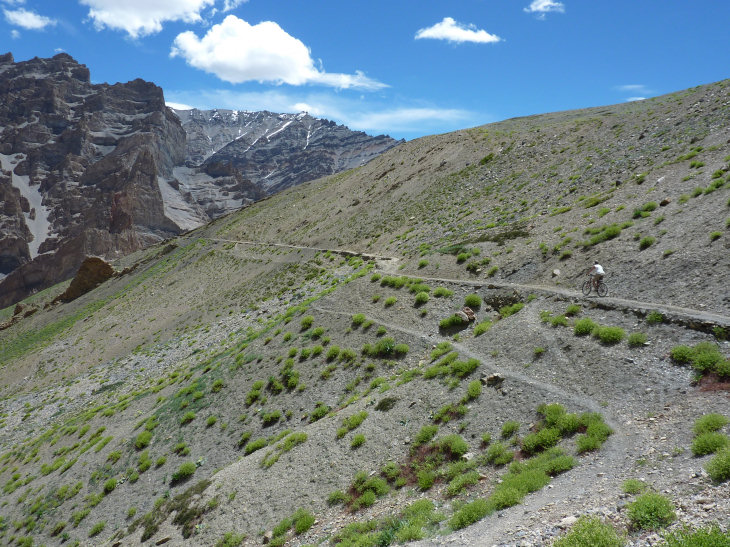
x=39, y=226
x=287, y=124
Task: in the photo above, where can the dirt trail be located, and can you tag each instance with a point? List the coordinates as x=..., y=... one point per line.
x=388, y=265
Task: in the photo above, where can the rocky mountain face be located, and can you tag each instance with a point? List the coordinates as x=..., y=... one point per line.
x=80, y=169
x=100, y=169
x=274, y=151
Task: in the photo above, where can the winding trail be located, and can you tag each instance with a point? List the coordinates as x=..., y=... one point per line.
x=564, y=489
x=696, y=319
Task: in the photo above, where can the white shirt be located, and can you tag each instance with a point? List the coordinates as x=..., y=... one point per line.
x=598, y=270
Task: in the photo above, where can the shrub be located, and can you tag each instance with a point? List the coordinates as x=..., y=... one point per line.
x=255, y=445
x=231, y=539
x=474, y=389
x=333, y=353
x=319, y=412
x=637, y=339
x=452, y=322
x=709, y=443
x=306, y=322
x=421, y=298
x=390, y=301
x=506, y=311
x=681, y=354
x=715, y=236
x=654, y=317
x=590, y=532
x=110, y=485
x=651, y=511
x=422, y=263
x=357, y=440
x=633, y=486
x=442, y=292
x=482, y=327
x=358, y=319
x=187, y=417
x=646, y=242
x=425, y=479
x=498, y=454
x=473, y=300
x=704, y=537
x=303, y=521
x=572, y=309
x=143, y=440
x=458, y=483
x=584, y=327
x=426, y=433
x=337, y=497
x=509, y=428
x=706, y=357
x=217, y=385
x=454, y=445
x=709, y=422
x=469, y=514
x=559, y=321
x=610, y=335
x=270, y=418
x=540, y=440
x=185, y=471
x=97, y=529
x=719, y=466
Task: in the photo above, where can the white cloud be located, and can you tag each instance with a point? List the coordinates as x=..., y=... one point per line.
x=632, y=99
x=450, y=30
x=372, y=117
x=238, y=52
x=637, y=88
x=228, y=5
x=542, y=7
x=14, y=34
x=142, y=17
x=179, y=106
x=13, y=2
x=27, y=19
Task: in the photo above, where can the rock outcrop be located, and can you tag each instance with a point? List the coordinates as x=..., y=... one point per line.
x=92, y=273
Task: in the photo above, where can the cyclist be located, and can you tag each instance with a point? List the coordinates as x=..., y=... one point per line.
x=596, y=272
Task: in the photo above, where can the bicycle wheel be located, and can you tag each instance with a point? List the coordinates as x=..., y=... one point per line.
x=602, y=289
x=586, y=287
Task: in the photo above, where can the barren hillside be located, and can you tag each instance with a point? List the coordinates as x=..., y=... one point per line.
x=297, y=373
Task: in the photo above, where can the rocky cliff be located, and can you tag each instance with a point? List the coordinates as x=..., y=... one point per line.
x=100, y=169
x=81, y=167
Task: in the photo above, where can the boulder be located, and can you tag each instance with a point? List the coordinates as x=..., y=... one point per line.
x=92, y=273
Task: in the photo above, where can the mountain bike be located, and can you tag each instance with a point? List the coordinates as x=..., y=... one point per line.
x=587, y=287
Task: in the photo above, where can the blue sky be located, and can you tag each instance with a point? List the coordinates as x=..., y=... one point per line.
x=406, y=68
